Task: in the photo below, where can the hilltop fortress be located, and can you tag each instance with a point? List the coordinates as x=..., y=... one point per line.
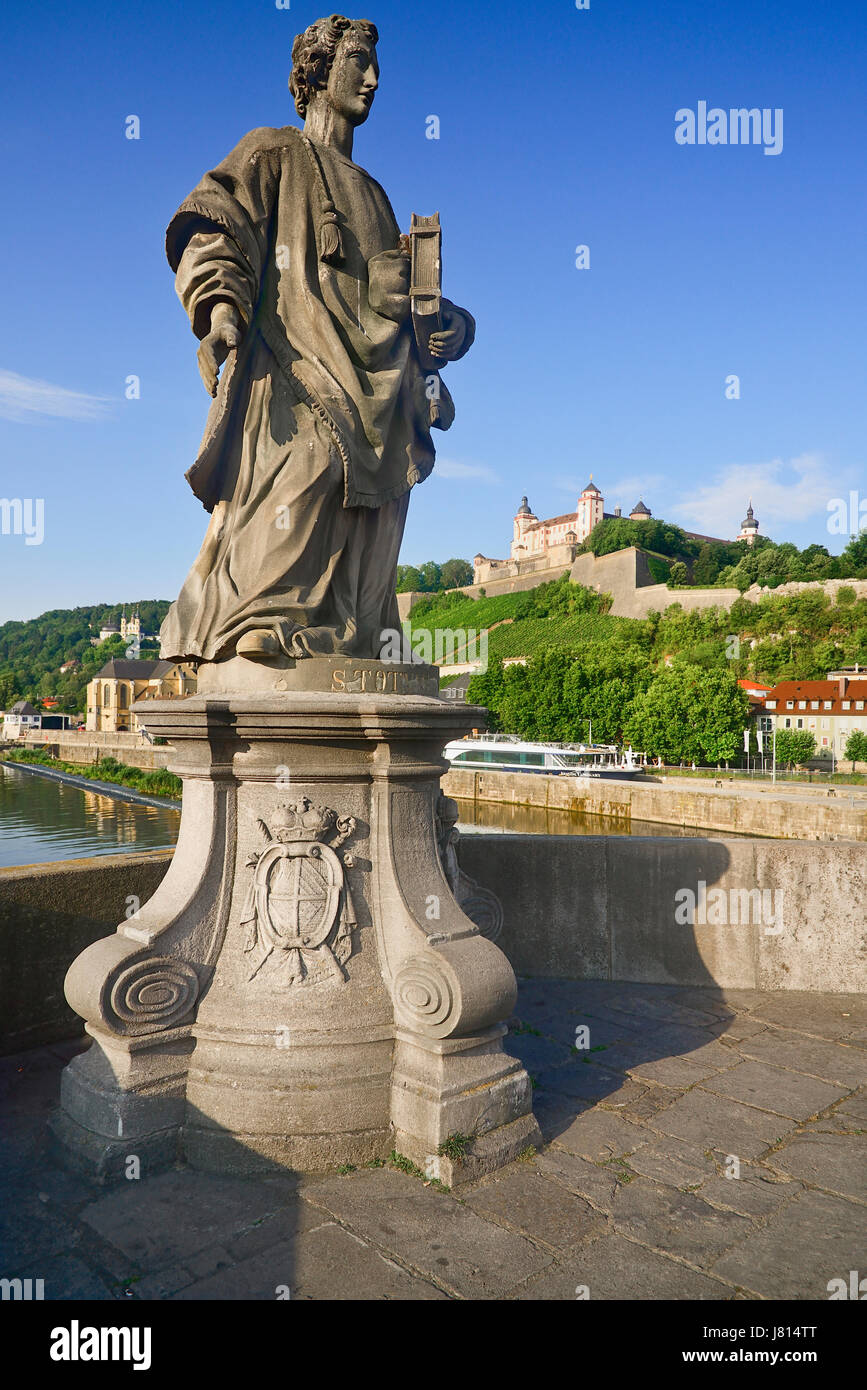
x=542, y=550
x=555, y=541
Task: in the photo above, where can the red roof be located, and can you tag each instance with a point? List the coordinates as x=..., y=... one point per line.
x=754, y=685
x=822, y=691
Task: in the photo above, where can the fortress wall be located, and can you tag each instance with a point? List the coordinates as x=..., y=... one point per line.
x=625, y=575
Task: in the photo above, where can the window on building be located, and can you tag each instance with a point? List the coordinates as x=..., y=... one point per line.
x=788, y=723
x=847, y=704
x=827, y=704
x=800, y=723
x=790, y=704
x=106, y=696
x=122, y=697
x=802, y=704
x=770, y=704
x=859, y=704
x=814, y=704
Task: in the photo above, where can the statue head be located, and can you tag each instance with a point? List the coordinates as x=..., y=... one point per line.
x=334, y=60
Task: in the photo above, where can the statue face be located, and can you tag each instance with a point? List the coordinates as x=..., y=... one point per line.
x=353, y=79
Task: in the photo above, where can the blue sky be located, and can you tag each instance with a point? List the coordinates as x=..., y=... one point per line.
x=557, y=128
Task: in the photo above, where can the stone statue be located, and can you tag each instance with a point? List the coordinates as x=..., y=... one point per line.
x=282, y=1002
x=293, y=271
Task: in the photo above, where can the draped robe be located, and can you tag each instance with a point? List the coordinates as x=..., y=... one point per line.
x=321, y=423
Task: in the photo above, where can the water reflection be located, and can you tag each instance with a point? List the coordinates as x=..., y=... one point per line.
x=493, y=816
x=42, y=820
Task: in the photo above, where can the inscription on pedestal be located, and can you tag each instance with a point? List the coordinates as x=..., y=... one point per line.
x=381, y=680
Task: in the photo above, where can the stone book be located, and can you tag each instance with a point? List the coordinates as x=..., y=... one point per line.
x=426, y=283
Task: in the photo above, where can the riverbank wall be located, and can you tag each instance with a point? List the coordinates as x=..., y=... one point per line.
x=767, y=811
x=86, y=748
x=785, y=916
x=48, y=914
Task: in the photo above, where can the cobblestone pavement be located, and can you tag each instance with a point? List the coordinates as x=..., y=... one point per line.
x=633, y=1196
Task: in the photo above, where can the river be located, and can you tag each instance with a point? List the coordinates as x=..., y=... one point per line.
x=43, y=819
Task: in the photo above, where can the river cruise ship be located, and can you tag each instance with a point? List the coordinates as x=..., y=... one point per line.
x=507, y=753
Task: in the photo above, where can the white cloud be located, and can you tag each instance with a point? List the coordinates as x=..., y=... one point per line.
x=451, y=468
x=782, y=492
x=22, y=398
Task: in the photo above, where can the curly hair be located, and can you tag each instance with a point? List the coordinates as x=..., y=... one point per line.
x=313, y=54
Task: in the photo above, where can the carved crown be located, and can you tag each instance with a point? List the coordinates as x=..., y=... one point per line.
x=303, y=819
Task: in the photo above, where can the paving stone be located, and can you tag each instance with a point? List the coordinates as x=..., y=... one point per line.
x=805, y=1244
x=666, y=1010
x=836, y=1162
x=30, y=1234
x=755, y=1193
x=187, y=1235
x=161, y=1285
x=709, y=1001
x=284, y=1226
x=555, y=1112
x=828, y=1016
x=536, y=1052
x=430, y=1231
x=679, y=1223
x=673, y=1162
x=736, y=1029
x=713, y=1122
x=655, y=1099
x=771, y=1088
x=581, y=1080
x=68, y=1277
x=853, y=1124
x=626, y=1095
x=621, y=1056
x=742, y=1000
x=166, y=1219
x=856, y=1105
x=630, y=1024
x=597, y=1184
x=528, y=1201
x=600, y=1031
x=615, y=1268
x=599, y=1135
x=833, y=1062
x=681, y=1072
x=327, y=1264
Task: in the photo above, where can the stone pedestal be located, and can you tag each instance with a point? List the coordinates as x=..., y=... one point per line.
x=303, y=990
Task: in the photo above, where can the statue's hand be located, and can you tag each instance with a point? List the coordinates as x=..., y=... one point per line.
x=448, y=343
x=225, y=335
x=388, y=284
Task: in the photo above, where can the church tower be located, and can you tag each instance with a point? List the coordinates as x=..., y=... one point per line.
x=749, y=526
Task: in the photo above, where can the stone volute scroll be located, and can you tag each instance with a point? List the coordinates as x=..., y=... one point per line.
x=315, y=982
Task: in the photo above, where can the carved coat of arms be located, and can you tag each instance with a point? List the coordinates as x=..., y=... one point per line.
x=298, y=911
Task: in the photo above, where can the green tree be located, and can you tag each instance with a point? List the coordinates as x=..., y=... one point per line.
x=456, y=573
x=679, y=573
x=795, y=747
x=617, y=533
x=856, y=554
x=687, y=713
x=431, y=576
x=856, y=747
x=408, y=580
